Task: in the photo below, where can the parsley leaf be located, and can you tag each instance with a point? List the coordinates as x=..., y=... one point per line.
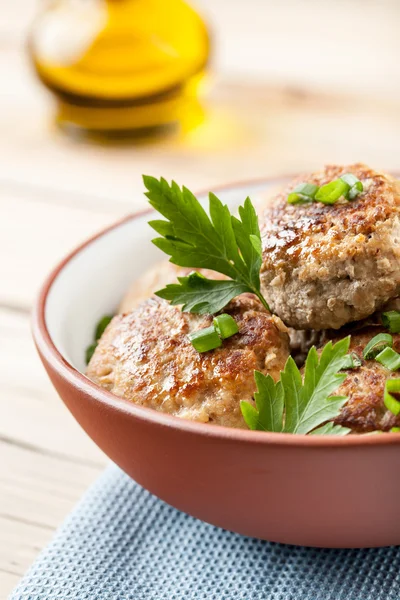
x=220, y=242
x=267, y=414
x=297, y=405
x=198, y=294
x=330, y=429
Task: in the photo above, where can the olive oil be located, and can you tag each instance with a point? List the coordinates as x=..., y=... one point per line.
x=120, y=65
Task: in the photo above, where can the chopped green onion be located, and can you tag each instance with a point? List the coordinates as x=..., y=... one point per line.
x=331, y=192
x=356, y=187
x=348, y=186
x=392, y=386
x=351, y=361
x=89, y=352
x=353, y=192
x=395, y=430
x=206, y=339
x=352, y=180
x=304, y=192
x=391, y=320
x=377, y=344
x=101, y=326
x=389, y=358
x=225, y=326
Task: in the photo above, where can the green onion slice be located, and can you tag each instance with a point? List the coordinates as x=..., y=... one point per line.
x=353, y=192
x=391, y=320
x=389, y=358
x=395, y=430
x=352, y=181
x=225, y=326
x=377, y=344
x=356, y=187
x=304, y=192
x=392, y=386
x=351, y=361
x=206, y=339
x=331, y=192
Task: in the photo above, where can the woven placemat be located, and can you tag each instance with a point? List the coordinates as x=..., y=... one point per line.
x=122, y=543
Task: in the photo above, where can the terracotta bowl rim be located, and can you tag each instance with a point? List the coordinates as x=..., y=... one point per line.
x=78, y=380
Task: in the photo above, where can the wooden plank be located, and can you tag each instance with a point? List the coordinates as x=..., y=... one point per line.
x=51, y=483
x=33, y=237
x=47, y=460
x=8, y=581
x=250, y=130
x=37, y=491
x=240, y=139
x=21, y=542
x=16, y=19
x=32, y=416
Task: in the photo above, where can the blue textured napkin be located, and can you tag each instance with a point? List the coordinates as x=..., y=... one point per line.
x=122, y=543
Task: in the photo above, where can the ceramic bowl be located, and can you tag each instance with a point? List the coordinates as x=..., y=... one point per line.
x=315, y=491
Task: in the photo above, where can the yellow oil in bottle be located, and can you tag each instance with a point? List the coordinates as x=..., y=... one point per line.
x=120, y=65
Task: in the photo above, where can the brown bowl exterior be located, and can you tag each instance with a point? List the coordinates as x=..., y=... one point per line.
x=314, y=491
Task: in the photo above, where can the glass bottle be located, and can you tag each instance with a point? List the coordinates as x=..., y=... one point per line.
x=120, y=65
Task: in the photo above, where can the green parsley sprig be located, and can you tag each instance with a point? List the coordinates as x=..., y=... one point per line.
x=220, y=242
x=297, y=405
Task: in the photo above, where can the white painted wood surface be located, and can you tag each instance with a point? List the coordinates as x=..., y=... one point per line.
x=298, y=83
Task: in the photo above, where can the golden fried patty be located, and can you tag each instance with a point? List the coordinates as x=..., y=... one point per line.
x=145, y=356
x=365, y=409
x=327, y=265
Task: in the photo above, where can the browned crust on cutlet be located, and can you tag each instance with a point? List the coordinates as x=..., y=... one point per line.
x=325, y=266
x=365, y=410
x=288, y=230
x=145, y=356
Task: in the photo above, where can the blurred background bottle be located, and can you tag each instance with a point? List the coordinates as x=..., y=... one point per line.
x=118, y=66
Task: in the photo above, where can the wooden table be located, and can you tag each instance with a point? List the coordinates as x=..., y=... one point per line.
x=54, y=192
